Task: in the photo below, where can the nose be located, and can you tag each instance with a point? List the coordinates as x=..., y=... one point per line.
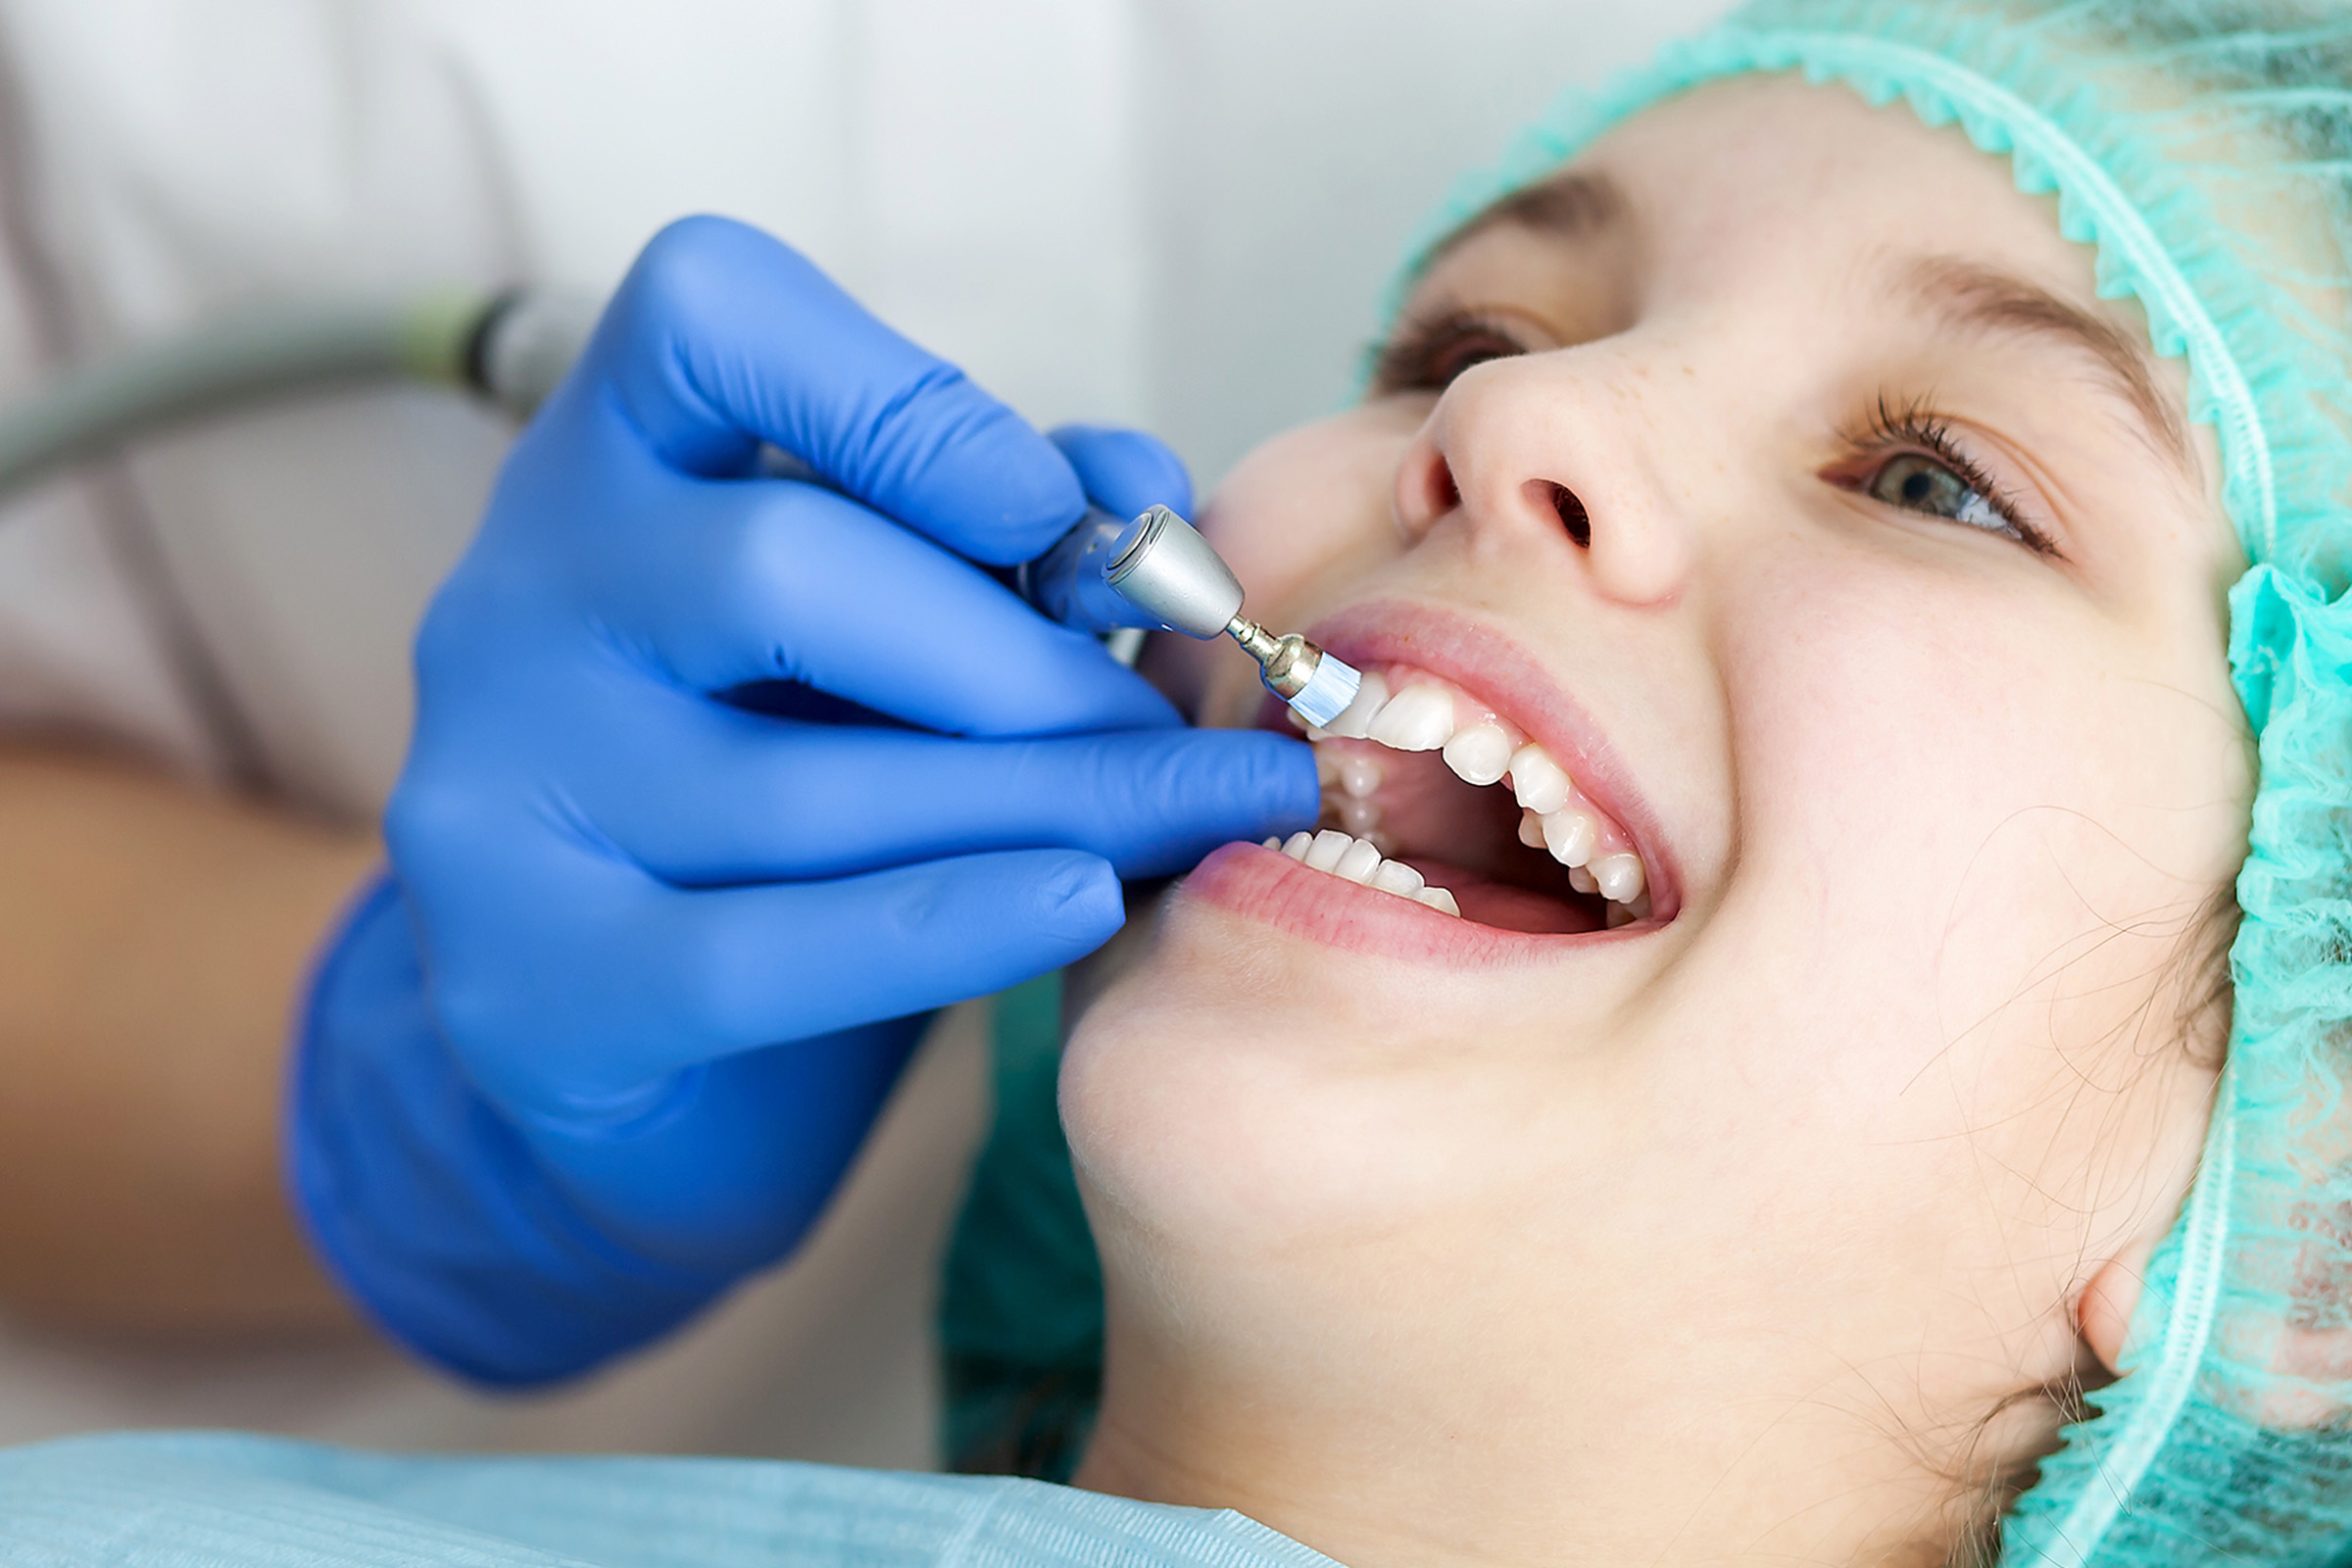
x=1552, y=446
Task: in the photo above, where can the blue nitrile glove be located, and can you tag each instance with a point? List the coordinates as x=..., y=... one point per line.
x=719, y=782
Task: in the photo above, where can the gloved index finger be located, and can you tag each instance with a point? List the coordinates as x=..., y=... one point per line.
x=721, y=336
x=775, y=580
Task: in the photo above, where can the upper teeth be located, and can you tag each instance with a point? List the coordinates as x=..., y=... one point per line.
x=1423, y=715
x=1541, y=783
x=1419, y=718
x=1481, y=753
x=1569, y=836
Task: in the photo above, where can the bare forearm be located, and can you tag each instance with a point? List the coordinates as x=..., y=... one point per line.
x=151, y=939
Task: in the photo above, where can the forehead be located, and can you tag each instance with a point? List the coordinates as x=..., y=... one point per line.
x=1769, y=178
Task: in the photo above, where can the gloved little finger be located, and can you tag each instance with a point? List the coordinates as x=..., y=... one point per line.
x=1125, y=472
x=671, y=978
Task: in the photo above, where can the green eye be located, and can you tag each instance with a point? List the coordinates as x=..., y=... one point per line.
x=1909, y=457
x=1921, y=484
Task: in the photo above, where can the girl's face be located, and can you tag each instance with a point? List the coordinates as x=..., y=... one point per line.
x=1774, y=472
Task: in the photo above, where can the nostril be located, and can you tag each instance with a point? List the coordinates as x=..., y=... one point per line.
x=1443, y=494
x=1573, y=516
x=1425, y=490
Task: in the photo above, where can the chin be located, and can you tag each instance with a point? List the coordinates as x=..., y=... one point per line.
x=1245, y=1088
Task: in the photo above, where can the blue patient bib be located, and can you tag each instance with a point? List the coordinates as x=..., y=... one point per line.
x=203, y=1499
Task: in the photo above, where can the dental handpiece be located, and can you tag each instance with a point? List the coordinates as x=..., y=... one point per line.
x=1156, y=571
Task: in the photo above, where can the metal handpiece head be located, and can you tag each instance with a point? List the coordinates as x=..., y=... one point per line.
x=1165, y=569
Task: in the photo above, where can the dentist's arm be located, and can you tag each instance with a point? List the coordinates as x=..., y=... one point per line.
x=720, y=784
x=152, y=938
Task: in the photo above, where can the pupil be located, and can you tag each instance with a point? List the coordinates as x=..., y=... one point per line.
x=1919, y=487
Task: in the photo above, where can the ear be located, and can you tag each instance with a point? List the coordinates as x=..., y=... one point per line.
x=2104, y=1311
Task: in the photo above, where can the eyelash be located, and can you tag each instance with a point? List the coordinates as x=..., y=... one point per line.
x=1415, y=359
x=1919, y=428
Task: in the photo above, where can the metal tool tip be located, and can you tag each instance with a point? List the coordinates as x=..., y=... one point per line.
x=1327, y=693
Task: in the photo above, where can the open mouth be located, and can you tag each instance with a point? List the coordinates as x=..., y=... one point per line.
x=1430, y=794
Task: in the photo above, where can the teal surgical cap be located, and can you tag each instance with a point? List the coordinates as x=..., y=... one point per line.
x=2204, y=148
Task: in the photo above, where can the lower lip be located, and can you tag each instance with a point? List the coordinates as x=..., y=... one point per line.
x=1266, y=886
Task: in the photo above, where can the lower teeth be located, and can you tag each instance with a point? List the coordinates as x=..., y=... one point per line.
x=1354, y=847
x=1363, y=861
x=1359, y=860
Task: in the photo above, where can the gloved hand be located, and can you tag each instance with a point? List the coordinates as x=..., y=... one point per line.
x=719, y=782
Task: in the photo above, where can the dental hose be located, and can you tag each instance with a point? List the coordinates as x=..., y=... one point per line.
x=511, y=349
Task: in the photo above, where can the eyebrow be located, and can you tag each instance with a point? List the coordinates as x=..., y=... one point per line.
x=1575, y=205
x=1972, y=296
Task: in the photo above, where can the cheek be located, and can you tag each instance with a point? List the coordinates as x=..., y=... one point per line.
x=1309, y=512
x=1985, y=815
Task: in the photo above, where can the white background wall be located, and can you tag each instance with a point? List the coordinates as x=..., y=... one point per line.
x=1250, y=172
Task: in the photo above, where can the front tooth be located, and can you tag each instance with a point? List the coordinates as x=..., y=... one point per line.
x=1439, y=900
x=1358, y=864
x=1359, y=817
x=1619, y=876
x=1531, y=830
x=1418, y=718
x=1479, y=753
x=1296, y=846
x=1325, y=852
x=1355, y=719
x=1570, y=836
x=1327, y=768
x=1357, y=775
x=1394, y=876
x=1538, y=782
x=1273, y=844
x=1582, y=880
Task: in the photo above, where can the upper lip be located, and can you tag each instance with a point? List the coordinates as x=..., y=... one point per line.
x=1489, y=665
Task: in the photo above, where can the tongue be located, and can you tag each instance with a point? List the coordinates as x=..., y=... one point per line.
x=1506, y=908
